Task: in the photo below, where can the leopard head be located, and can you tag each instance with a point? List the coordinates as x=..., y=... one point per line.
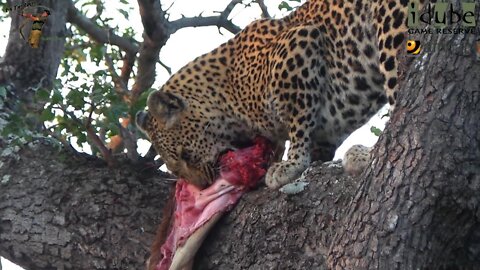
x=188, y=137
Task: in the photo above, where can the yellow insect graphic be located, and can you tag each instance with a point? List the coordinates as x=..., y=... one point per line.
x=37, y=25
x=413, y=47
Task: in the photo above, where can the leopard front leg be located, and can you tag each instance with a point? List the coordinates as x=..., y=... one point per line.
x=285, y=172
x=390, y=24
x=298, y=81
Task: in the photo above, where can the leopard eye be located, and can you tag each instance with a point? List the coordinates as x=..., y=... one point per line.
x=189, y=157
x=186, y=155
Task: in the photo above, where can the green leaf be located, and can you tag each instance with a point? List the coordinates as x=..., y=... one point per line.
x=57, y=97
x=124, y=13
x=99, y=73
x=76, y=99
x=96, y=53
x=376, y=131
x=3, y=91
x=43, y=94
x=47, y=115
x=118, y=110
x=284, y=5
x=81, y=138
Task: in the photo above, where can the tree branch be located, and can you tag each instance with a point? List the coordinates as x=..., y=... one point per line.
x=92, y=135
x=263, y=7
x=100, y=35
x=219, y=21
x=130, y=143
x=79, y=213
x=59, y=138
x=205, y=21
x=157, y=30
x=120, y=86
x=155, y=35
x=128, y=62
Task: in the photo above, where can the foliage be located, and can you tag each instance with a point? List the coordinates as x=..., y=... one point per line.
x=376, y=131
x=87, y=105
x=288, y=5
x=84, y=94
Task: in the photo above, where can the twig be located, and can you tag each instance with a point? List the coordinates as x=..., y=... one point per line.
x=100, y=35
x=59, y=138
x=92, y=135
x=220, y=20
x=130, y=143
x=167, y=68
x=126, y=71
x=264, y=9
x=120, y=86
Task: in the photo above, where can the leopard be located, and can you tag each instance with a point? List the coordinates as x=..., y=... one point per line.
x=311, y=77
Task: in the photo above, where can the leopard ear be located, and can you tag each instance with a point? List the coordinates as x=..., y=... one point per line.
x=166, y=107
x=141, y=120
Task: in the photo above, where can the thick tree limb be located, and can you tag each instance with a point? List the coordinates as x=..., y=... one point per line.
x=64, y=211
x=59, y=210
x=155, y=36
x=157, y=30
x=105, y=36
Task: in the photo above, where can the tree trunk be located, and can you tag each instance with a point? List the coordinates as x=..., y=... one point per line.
x=418, y=206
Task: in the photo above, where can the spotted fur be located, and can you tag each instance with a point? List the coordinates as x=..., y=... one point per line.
x=312, y=78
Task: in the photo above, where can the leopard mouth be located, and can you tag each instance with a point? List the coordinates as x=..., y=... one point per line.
x=222, y=153
x=218, y=165
x=211, y=171
x=235, y=145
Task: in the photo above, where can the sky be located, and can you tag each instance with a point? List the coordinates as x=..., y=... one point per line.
x=189, y=43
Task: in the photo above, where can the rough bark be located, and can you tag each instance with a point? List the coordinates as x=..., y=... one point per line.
x=59, y=211
x=64, y=211
x=418, y=205
x=272, y=230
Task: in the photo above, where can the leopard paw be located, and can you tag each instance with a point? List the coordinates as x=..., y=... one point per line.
x=282, y=173
x=356, y=159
